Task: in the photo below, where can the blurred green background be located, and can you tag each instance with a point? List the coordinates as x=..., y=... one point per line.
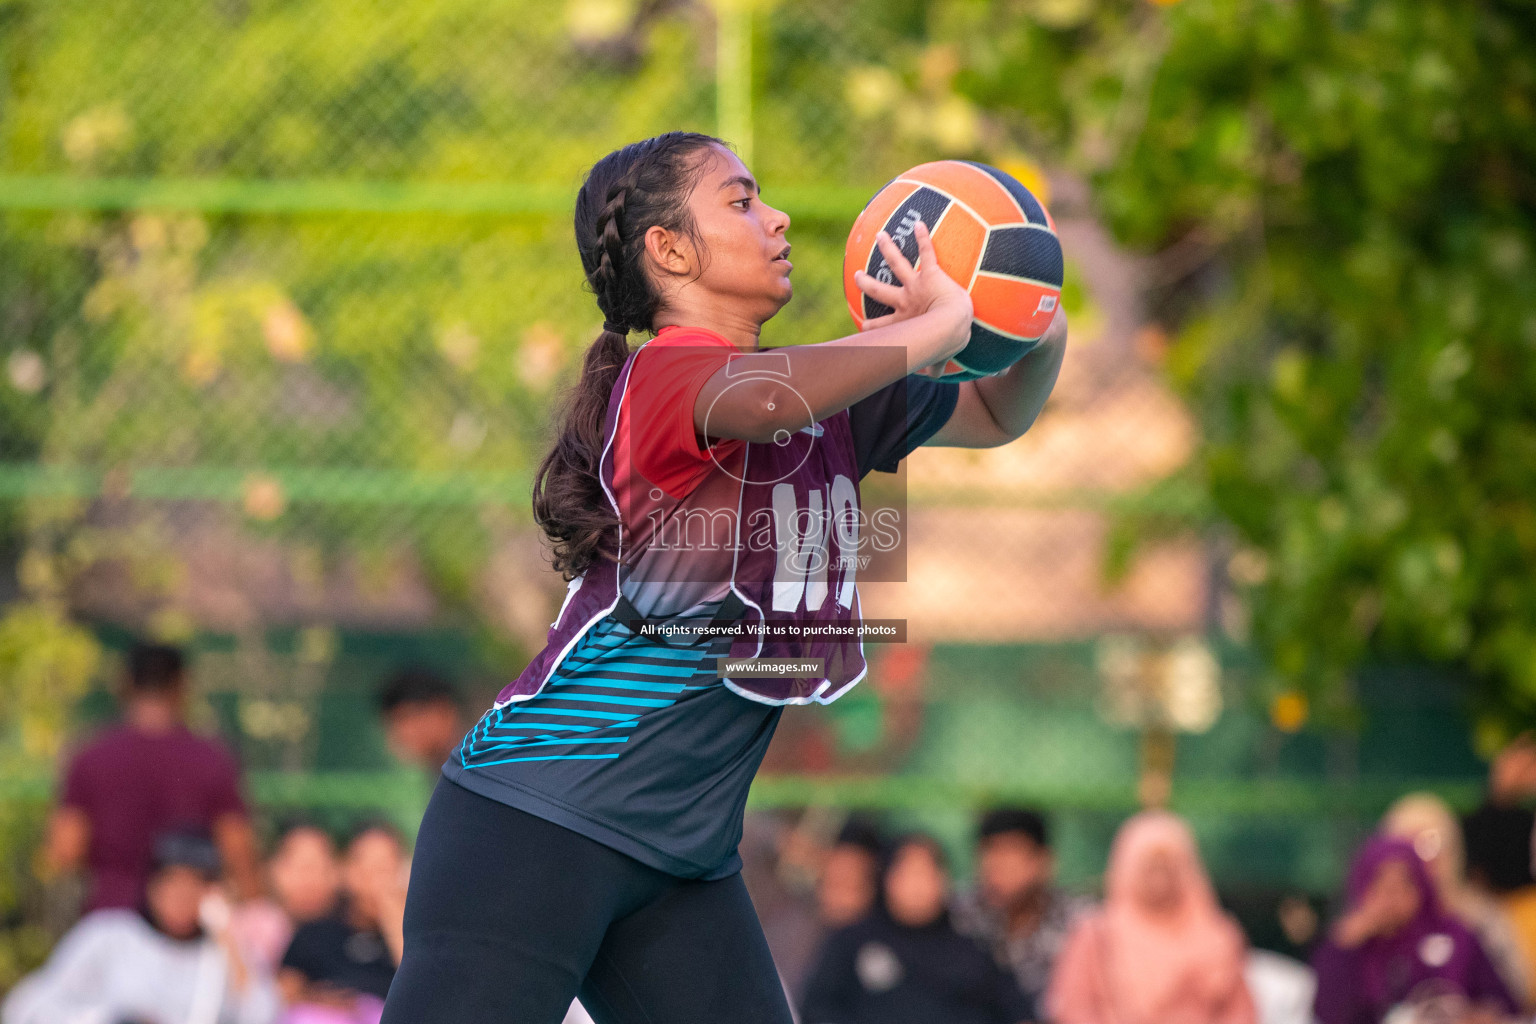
x=288, y=290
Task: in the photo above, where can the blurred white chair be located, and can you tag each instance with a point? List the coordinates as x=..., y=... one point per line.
x=1282, y=988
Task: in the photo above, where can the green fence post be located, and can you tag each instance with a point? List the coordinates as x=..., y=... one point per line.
x=733, y=74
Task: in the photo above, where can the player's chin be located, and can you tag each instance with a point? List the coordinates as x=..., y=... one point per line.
x=780, y=289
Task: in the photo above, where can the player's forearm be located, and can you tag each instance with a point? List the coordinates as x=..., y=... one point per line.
x=1016, y=396
x=763, y=393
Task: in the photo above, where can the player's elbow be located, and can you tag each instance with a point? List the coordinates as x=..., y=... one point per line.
x=770, y=411
x=976, y=424
x=1007, y=433
x=1008, y=411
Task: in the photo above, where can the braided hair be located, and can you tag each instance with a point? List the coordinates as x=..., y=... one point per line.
x=643, y=185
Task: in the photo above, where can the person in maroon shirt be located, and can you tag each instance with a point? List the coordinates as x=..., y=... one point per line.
x=146, y=776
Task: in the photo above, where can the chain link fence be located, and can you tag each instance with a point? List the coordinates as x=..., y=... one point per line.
x=301, y=273
x=288, y=290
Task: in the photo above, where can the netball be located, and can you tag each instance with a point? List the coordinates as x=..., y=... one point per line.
x=990, y=233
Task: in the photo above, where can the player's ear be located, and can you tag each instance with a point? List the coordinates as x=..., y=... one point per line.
x=670, y=252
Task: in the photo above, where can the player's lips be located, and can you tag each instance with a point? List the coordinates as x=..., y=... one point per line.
x=783, y=257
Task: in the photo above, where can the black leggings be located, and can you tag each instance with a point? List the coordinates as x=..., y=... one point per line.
x=510, y=916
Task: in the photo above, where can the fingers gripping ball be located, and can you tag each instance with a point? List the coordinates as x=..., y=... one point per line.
x=990, y=234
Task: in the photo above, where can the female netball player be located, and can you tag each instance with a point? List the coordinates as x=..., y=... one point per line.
x=583, y=838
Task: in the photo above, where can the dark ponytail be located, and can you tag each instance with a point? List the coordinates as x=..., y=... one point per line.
x=626, y=193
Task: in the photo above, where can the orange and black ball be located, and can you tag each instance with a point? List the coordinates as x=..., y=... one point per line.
x=990, y=234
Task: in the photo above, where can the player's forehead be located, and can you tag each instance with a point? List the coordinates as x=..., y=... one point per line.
x=721, y=169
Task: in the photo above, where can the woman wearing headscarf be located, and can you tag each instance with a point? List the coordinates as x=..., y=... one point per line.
x=1396, y=946
x=1425, y=821
x=1160, y=950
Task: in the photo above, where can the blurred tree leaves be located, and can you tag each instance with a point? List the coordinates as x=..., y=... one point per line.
x=46, y=664
x=1342, y=196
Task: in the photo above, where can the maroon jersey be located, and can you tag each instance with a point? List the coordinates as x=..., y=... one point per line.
x=770, y=529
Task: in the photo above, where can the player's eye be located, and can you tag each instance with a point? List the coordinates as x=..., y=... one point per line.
x=743, y=202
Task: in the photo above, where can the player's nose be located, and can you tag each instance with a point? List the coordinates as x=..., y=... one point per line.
x=778, y=220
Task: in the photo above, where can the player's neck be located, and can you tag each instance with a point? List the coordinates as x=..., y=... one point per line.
x=740, y=330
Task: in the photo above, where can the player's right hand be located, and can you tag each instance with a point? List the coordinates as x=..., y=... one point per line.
x=925, y=290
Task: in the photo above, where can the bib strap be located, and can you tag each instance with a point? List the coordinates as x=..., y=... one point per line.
x=731, y=609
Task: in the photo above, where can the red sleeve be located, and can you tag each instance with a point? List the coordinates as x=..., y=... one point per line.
x=664, y=385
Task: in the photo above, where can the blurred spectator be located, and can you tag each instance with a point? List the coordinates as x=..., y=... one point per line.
x=1016, y=908
x=1278, y=917
x=338, y=968
x=306, y=872
x=905, y=963
x=1498, y=833
x=832, y=858
x=1428, y=824
x=849, y=883
x=1160, y=950
x=423, y=717
x=261, y=931
x=144, y=777
x=305, y=878
x=1395, y=949
x=154, y=965
x=1498, y=842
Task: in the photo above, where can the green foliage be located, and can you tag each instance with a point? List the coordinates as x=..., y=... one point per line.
x=46, y=664
x=1342, y=194
x=24, y=942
